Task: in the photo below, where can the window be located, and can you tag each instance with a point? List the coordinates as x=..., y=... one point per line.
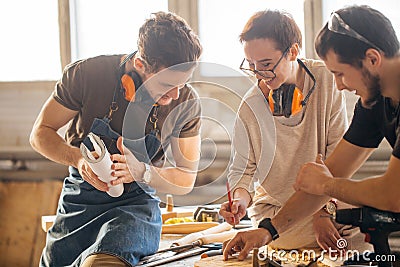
x=220, y=23
x=108, y=27
x=30, y=40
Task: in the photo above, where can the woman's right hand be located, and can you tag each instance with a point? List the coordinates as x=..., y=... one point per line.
x=232, y=215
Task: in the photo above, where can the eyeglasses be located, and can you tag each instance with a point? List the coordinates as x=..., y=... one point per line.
x=268, y=74
x=337, y=25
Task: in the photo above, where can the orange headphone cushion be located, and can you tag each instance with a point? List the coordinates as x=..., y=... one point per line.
x=296, y=102
x=297, y=98
x=129, y=87
x=271, y=101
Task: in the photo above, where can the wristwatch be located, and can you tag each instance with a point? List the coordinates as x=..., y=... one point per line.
x=266, y=224
x=147, y=174
x=331, y=207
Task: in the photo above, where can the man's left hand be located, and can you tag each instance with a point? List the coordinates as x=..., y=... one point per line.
x=312, y=177
x=243, y=242
x=126, y=167
x=325, y=231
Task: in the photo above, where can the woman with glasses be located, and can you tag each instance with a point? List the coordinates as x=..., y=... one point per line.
x=309, y=117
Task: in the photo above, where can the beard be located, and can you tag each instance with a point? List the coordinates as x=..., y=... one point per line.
x=373, y=88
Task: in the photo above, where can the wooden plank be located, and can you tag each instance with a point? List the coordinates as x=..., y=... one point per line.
x=21, y=205
x=49, y=197
x=187, y=228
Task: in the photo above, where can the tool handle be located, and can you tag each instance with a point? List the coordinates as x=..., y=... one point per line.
x=190, y=238
x=211, y=253
x=379, y=240
x=217, y=238
x=170, y=203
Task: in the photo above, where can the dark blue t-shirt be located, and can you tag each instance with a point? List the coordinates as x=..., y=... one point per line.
x=370, y=126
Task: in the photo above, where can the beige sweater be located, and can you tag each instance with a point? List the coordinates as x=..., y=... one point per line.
x=270, y=152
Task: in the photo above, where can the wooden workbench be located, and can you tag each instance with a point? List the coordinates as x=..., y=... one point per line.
x=196, y=261
x=166, y=241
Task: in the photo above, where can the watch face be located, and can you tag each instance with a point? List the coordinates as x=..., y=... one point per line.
x=330, y=207
x=147, y=176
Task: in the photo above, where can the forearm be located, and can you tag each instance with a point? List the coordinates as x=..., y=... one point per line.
x=45, y=139
x=346, y=159
x=299, y=206
x=173, y=180
x=379, y=192
x=50, y=144
x=376, y=192
x=302, y=205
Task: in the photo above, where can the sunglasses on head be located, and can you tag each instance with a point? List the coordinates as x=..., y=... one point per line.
x=337, y=25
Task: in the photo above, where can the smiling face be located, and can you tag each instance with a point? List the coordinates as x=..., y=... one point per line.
x=350, y=78
x=262, y=55
x=164, y=86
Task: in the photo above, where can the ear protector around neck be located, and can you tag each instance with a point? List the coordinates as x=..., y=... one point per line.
x=285, y=101
x=129, y=81
x=288, y=99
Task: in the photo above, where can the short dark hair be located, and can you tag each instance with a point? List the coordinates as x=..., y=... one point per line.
x=276, y=25
x=166, y=40
x=368, y=22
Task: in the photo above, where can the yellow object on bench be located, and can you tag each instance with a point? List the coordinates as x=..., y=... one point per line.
x=178, y=228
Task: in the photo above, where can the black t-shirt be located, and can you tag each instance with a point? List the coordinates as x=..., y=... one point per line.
x=370, y=126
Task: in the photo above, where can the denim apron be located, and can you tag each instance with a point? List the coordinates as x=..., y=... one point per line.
x=89, y=221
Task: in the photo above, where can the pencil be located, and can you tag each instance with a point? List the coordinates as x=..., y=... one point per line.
x=230, y=200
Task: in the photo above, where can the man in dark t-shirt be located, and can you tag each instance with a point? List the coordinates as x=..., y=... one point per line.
x=123, y=99
x=360, y=47
x=371, y=68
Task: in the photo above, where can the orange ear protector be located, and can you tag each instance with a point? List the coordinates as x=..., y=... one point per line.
x=129, y=81
x=288, y=99
x=285, y=101
x=129, y=87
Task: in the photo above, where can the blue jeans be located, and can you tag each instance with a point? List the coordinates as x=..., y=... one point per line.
x=90, y=221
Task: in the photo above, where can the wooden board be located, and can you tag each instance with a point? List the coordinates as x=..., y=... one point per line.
x=187, y=228
x=177, y=212
x=218, y=261
x=21, y=206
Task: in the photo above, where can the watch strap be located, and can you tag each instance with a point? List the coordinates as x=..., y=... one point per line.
x=147, y=166
x=146, y=175
x=266, y=224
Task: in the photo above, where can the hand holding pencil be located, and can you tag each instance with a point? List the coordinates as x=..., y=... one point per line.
x=235, y=208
